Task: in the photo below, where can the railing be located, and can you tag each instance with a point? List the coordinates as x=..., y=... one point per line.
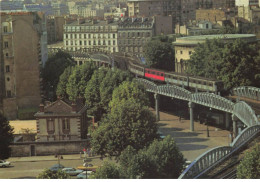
x=215, y=156
x=248, y=92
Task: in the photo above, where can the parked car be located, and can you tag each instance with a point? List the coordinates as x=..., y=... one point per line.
x=4, y=163
x=72, y=171
x=83, y=174
x=88, y=167
x=161, y=135
x=56, y=167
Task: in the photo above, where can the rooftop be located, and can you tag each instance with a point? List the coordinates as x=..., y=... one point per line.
x=194, y=40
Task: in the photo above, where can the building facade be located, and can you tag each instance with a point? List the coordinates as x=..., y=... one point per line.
x=185, y=46
x=61, y=121
x=23, y=52
x=133, y=33
x=54, y=25
x=84, y=33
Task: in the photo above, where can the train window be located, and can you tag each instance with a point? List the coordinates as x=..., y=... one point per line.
x=161, y=74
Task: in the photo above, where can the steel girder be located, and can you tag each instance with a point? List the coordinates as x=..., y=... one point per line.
x=247, y=91
x=243, y=111
x=216, y=155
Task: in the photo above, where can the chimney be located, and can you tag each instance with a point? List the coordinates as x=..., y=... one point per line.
x=73, y=105
x=41, y=108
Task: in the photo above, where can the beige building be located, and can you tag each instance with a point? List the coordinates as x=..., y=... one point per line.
x=23, y=51
x=133, y=33
x=185, y=46
x=84, y=33
x=61, y=121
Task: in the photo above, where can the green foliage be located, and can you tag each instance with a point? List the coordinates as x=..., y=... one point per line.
x=78, y=80
x=236, y=63
x=99, y=90
x=249, y=167
x=62, y=85
x=48, y=174
x=6, y=137
x=27, y=113
x=54, y=67
x=159, y=54
x=161, y=159
x=128, y=123
x=107, y=171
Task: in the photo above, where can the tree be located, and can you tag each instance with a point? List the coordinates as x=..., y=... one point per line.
x=161, y=159
x=62, y=85
x=6, y=137
x=128, y=123
x=78, y=80
x=249, y=167
x=48, y=174
x=236, y=63
x=159, y=55
x=54, y=67
x=99, y=90
x=107, y=171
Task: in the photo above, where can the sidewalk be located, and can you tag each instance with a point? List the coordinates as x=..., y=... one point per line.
x=49, y=158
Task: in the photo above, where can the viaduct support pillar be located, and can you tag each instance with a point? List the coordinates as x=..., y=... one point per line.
x=156, y=98
x=234, y=126
x=227, y=120
x=191, y=106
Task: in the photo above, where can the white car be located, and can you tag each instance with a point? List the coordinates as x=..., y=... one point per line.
x=4, y=163
x=72, y=171
x=83, y=175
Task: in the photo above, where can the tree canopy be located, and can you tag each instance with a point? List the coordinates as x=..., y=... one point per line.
x=98, y=92
x=236, y=63
x=249, y=167
x=48, y=174
x=54, y=67
x=107, y=171
x=160, y=160
x=128, y=123
x=160, y=54
x=6, y=137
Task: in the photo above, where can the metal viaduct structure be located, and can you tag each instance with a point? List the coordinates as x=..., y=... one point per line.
x=239, y=111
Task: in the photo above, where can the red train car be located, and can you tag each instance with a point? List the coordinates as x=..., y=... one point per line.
x=154, y=74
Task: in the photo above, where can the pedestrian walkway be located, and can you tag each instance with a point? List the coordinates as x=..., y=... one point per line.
x=192, y=144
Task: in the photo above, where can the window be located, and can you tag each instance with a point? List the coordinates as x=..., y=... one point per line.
x=6, y=44
x=50, y=125
x=85, y=36
x=80, y=42
x=66, y=42
x=114, y=42
x=6, y=54
x=8, y=94
x=5, y=29
x=65, y=125
x=7, y=68
x=189, y=52
x=207, y=26
x=181, y=52
x=89, y=42
x=67, y=36
x=114, y=36
x=109, y=42
x=8, y=79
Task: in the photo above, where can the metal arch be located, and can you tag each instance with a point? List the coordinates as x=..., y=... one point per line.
x=174, y=91
x=150, y=86
x=245, y=135
x=213, y=157
x=248, y=92
x=205, y=161
x=245, y=113
x=213, y=101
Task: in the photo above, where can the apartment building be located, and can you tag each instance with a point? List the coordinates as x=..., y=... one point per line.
x=23, y=51
x=133, y=33
x=84, y=33
x=54, y=25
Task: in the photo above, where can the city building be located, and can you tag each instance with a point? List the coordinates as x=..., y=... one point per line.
x=85, y=33
x=54, y=25
x=23, y=51
x=185, y=46
x=61, y=120
x=133, y=33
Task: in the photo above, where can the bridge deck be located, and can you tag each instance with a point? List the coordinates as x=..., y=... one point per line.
x=255, y=104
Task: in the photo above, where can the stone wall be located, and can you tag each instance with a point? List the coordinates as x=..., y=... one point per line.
x=23, y=149
x=212, y=15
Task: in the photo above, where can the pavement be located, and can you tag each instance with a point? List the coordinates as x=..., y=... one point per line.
x=191, y=144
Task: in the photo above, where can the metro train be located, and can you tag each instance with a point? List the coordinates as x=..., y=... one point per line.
x=191, y=82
